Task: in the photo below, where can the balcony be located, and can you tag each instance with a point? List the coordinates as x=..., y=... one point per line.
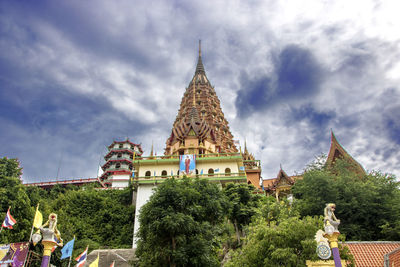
x=215, y=177
x=198, y=156
x=252, y=164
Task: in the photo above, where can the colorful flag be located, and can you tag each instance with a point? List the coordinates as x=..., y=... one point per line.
x=81, y=259
x=201, y=172
x=38, y=220
x=133, y=174
x=95, y=263
x=112, y=264
x=9, y=221
x=66, y=251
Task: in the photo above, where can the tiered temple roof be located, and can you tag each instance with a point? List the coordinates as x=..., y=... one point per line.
x=200, y=115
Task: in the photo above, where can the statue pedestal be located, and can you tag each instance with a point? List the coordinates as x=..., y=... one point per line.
x=333, y=242
x=329, y=263
x=47, y=246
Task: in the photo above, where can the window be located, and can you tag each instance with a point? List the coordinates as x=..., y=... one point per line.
x=120, y=145
x=164, y=174
x=227, y=172
x=148, y=173
x=119, y=155
x=118, y=165
x=210, y=172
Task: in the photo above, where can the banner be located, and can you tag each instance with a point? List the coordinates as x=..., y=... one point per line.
x=187, y=163
x=14, y=253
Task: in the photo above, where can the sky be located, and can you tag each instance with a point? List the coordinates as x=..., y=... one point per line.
x=76, y=75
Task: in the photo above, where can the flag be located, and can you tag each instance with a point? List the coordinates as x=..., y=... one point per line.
x=66, y=251
x=38, y=220
x=9, y=221
x=112, y=264
x=241, y=168
x=81, y=259
x=95, y=263
x=216, y=170
x=133, y=174
x=201, y=172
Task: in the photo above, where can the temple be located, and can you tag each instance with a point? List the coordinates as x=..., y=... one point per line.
x=200, y=145
x=280, y=186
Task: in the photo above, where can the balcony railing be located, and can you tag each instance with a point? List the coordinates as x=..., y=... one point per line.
x=198, y=156
x=211, y=177
x=252, y=164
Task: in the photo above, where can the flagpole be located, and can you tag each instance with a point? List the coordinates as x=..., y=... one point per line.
x=37, y=208
x=70, y=257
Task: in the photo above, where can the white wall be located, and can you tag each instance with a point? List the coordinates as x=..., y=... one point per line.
x=143, y=195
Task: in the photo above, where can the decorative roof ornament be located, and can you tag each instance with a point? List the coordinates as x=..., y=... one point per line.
x=336, y=151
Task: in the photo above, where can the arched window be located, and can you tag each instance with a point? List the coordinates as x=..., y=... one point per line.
x=118, y=165
x=119, y=155
x=211, y=172
x=148, y=173
x=164, y=174
x=227, y=172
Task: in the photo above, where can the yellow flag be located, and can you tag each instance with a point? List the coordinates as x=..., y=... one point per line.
x=95, y=263
x=38, y=220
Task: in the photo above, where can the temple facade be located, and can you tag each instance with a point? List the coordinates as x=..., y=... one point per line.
x=200, y=145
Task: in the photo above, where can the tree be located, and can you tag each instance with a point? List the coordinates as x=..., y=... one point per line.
x=368, y=206
x=179, y=224
x=242, y=204
x=279, y=237
x=13, y=194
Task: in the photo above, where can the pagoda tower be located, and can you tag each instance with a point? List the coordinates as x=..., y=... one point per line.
x=200, y=126
x=119, y=163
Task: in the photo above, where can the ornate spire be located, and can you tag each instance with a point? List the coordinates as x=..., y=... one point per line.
x=200, y=67
x=194, y=115
x=152, y=151
x=201, y=110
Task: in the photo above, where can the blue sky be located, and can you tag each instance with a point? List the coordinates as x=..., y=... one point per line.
x=76, y=75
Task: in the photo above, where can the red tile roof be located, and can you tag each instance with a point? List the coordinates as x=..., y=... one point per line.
x=371, y=253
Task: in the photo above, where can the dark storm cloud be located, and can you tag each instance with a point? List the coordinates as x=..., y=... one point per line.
x=298, y=76
x=314, y=117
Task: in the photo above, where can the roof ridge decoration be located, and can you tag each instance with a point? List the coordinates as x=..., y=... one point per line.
x=337, y=151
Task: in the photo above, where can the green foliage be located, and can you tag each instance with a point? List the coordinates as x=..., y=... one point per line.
x=13, y=194
x=368, y=206
x=242, y=203
x=278, y=238
x=180, y=224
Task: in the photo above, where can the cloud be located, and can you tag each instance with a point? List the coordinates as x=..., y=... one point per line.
x=76, y=75
x=297, y=75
